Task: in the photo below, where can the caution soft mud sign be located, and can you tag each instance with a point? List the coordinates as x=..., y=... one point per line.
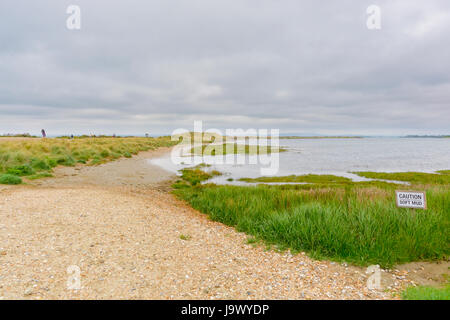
x=411, y=199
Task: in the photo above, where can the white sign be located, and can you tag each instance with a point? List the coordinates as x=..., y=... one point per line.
x=411, y=199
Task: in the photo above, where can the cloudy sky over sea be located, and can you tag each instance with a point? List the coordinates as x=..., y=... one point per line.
x=305, y=67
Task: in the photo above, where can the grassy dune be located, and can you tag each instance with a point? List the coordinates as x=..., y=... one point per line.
x=35, y=158
x=337, y=219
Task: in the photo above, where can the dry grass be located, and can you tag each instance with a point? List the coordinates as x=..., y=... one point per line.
x=37, y=157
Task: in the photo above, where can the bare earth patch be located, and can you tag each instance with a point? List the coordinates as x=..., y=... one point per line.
x=125, y=234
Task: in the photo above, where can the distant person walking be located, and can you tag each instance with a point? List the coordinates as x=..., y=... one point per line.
x=44, y=135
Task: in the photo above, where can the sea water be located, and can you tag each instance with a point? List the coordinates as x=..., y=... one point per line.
x=340, y=157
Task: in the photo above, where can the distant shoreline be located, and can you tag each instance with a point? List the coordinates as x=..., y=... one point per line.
x=23, y=136
x=322, y=137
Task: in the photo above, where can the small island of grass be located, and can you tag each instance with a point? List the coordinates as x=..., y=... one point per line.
x=309, y=178
x=233, y=148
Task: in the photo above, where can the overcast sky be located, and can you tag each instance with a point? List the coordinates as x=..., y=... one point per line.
x=154, y=66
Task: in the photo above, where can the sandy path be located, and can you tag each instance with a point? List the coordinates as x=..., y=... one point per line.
x=126, y=242
x=132, y=172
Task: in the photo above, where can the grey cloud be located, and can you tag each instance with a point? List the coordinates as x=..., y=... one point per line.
x=306, y=66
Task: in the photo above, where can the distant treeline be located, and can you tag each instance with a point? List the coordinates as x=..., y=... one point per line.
x=426, y=136
x=84, y=136
x=322, y=137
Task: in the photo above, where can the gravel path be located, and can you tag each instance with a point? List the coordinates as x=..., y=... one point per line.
x=148, y=245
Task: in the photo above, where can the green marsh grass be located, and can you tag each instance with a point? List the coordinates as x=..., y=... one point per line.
x=10, y=179
x=443, y=177
x=233, y=148
x=195, y=175
x=427, y=293
x=356, y=222
x=185, y=237
x=309, y=178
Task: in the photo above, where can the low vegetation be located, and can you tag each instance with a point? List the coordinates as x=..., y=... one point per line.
x=441, y=178
x=185, y=237
x=10, y=179
x=332, y=217
x=194, y=176
x=234, y=148
x=35, y=158
x=309, y=178
x=17, y=135
x=427, y=293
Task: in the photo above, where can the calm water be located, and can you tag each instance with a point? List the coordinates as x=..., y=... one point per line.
x=342, y=156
